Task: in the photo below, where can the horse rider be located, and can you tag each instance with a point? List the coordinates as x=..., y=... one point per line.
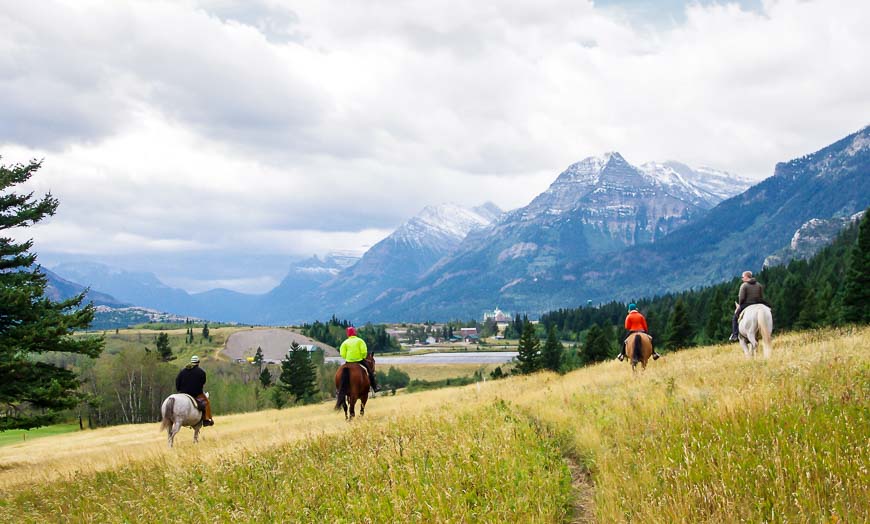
x=354, y=350
x=190, y=380
x=751, y=292
x=635, y=322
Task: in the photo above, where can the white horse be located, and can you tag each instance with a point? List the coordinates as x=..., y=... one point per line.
x=756, y=319
x=180, y=410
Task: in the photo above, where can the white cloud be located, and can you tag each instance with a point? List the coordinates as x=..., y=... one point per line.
x=292, y=128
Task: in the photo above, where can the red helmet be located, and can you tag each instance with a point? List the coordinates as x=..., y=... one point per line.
x=351, y=331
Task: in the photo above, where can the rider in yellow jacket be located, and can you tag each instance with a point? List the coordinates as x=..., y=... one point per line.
x=354, y=349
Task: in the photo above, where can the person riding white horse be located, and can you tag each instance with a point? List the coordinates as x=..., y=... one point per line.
x=757, y=320
x=751, y=292
x=178, y=410
x=190, y=381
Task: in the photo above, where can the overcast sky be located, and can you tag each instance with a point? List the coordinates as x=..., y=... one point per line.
x=213, y=141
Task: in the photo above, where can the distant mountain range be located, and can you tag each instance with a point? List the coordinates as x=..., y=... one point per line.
x=532, y=259
x=604, y=229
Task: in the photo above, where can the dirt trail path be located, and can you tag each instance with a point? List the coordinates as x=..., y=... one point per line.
x=274, y=343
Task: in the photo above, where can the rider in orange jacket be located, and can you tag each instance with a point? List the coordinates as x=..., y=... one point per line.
x=635, y=321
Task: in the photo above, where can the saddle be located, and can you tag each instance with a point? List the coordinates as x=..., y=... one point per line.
x=363, y=366
x=200, y=404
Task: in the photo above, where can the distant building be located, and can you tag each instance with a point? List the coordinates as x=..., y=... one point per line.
x=497, y=315
x=464, y=332
x=501, y=318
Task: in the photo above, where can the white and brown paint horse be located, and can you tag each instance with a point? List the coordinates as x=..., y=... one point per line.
x=180, y=410
x=754, y=320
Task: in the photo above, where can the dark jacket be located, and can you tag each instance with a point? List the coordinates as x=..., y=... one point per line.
x=750, y=293
x=190, y=380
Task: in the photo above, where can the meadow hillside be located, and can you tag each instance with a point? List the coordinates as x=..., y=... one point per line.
x=704, y=435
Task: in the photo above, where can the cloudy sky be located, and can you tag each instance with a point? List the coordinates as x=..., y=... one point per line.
x=212, y=142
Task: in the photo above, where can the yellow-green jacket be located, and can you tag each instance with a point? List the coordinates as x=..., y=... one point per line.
x=353, y=349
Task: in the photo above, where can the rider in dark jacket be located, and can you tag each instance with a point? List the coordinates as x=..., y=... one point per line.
x=751, y=292
x=190, y=380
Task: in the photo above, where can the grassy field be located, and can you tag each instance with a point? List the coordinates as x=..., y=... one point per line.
x=137, y=338
x=14, y=436
x=703, y=435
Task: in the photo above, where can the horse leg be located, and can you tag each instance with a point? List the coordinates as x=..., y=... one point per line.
x=745, y=347
x=176, y=427
x=196, y=429
x=753, y=343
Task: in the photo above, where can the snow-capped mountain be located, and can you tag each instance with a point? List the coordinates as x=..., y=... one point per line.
x=598, y=205
x=617, y=203
x=605, y=230
x=703, y=186
x=441, y=227
x=400, y=259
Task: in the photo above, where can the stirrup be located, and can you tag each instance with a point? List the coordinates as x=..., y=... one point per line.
x=620, y=357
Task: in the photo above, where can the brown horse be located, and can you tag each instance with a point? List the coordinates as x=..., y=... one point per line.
x=352, y=383
x=638, y=348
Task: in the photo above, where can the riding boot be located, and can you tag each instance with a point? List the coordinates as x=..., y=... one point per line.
x=733, y=337
x=621, y=355
x=206, y=417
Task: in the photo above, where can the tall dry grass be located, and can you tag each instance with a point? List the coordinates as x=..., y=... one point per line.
x=702, y=436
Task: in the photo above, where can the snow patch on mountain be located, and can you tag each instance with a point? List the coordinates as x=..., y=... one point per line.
x=859, y=143
x=445, y=223
x=702, y=186
x=518, y=250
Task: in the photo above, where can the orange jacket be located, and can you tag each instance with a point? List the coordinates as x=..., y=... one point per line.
x=635, y=322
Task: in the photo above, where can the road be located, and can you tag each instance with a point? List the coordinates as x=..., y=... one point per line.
x=482, y=357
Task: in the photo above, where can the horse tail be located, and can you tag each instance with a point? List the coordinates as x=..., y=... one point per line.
x=638, y=343
x=168, y=406
x=343, y=387
x=765, y=325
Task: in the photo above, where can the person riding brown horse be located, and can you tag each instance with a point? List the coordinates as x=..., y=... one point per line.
x=635, y=322
x=352, y=384
x=354, y=350
x=639, y=346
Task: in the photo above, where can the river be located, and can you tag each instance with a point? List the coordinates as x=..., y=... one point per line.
x=470, y=357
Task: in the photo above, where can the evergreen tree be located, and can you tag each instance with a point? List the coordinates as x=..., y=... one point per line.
x=856, y=293
x=529, y=350
x=164, y=351
x=298, y=375
x=265, y=378
x=679, y=333
x=33, y=392
x=551, y=355
x=205, y=332
x=597, y=347
x=258, y=359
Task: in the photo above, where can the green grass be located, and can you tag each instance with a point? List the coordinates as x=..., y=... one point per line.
x=704, y=435
x=480, y=465
x=14, y=436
